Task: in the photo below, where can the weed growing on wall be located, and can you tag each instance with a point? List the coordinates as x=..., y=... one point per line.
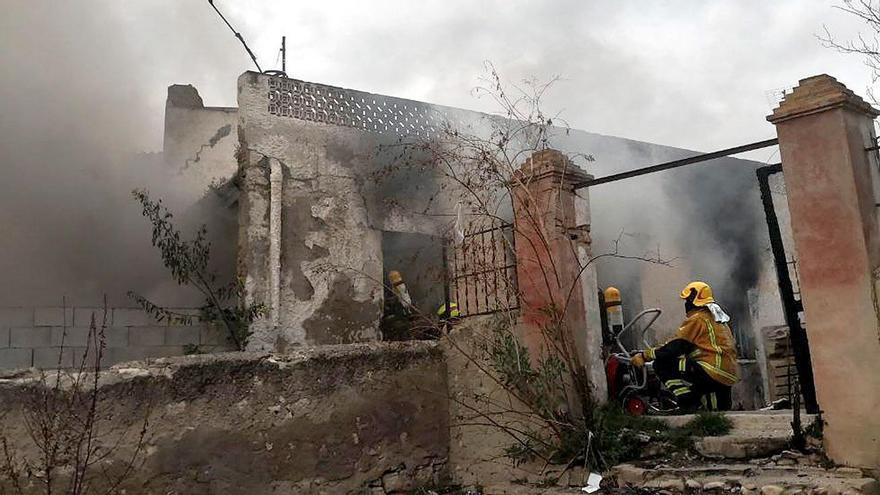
x=188, y=260
x=601, y=437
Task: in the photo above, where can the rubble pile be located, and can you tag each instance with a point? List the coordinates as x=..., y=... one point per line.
x=789, y=474
x=753, y=459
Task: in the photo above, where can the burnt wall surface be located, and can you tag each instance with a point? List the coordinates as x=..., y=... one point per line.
x=335, y=419
x=334, y=196
x=334, y=147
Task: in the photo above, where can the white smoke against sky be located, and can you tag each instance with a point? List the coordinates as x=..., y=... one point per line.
x=82, y=88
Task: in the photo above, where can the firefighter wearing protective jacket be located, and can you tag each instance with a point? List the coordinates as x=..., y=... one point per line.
x=699, y=364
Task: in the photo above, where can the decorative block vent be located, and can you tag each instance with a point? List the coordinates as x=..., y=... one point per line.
x=360, y=110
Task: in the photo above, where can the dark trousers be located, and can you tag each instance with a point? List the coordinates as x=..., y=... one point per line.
x=693, y=388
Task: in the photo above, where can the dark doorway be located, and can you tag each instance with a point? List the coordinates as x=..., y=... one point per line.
x=418, y=258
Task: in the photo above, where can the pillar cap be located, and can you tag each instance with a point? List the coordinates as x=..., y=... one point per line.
x=817, y=94
x=551, y=163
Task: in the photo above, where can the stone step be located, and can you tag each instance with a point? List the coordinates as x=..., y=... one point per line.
x=754, y=434
x=747, y=479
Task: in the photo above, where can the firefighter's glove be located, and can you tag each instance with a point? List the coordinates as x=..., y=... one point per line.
x=638, y=360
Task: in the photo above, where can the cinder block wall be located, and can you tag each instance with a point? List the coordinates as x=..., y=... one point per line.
x=44, y=337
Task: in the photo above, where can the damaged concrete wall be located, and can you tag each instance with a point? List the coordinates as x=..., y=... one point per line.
x=824, y=129
x=331, y=420
x=199, y=141
x=476, y=448
x=327, y=250
x=321, y=261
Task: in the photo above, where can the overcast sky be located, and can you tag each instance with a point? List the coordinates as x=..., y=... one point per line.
x=689, y=73
x=83, y=83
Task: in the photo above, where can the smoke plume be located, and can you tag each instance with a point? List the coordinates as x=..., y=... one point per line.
x=80, y=101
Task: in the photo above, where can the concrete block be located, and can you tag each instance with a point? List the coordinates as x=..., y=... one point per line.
x=194, y=312
x=53, y=317
x=30, y=337
x=70, y=337
x=146, y=336
x=16, y=358
x=82, y=317
x=118, y=355
x=79, y=336
x=116, y=337
x=132, y=317
x=51, y=357
x=182, y=335
x=16, y=317
x=213, y=335
x=629, y=474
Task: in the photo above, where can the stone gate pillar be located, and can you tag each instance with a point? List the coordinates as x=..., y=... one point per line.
x=551, y=226
x=823, y=131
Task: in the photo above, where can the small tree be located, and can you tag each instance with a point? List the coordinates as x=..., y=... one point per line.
x=188, y=261
x=866, y=45
x=479, y=170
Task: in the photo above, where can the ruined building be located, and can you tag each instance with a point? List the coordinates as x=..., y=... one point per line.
x=326, y=207
x=316, y=215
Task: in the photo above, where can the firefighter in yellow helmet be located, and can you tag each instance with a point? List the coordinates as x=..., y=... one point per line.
x=453, y=311
x=699, y=364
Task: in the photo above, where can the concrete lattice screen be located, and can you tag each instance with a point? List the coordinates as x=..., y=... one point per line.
x=358, y=109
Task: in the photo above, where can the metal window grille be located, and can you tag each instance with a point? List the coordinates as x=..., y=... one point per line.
x=482, y=270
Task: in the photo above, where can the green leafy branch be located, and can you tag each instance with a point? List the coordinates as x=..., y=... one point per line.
x=188, y=262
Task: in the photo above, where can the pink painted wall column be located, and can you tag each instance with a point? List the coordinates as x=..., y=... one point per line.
x=548, y=244
x=823, y=131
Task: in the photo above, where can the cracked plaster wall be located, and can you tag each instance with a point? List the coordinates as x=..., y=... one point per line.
x=199, y=141
x=333, y=210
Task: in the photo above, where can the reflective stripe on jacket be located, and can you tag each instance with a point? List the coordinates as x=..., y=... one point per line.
x=716, y=348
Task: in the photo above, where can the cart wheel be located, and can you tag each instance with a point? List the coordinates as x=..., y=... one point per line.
x=635, y=406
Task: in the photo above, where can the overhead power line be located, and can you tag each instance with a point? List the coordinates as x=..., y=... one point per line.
x=237, y=35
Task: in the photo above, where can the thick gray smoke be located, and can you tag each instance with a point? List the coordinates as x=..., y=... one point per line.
x=722, y=209
x=82, y=91
x=705, y=220
x=80, y=99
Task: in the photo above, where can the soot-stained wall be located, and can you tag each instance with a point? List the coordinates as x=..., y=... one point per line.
x=325, y=276
x=338, y=193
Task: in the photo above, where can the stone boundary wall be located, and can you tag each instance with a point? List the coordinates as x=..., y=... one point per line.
x=33, y=336
x=364, y=418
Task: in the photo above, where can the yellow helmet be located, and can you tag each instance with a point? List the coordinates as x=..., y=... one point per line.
x=703, y=293
x=612, y=295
